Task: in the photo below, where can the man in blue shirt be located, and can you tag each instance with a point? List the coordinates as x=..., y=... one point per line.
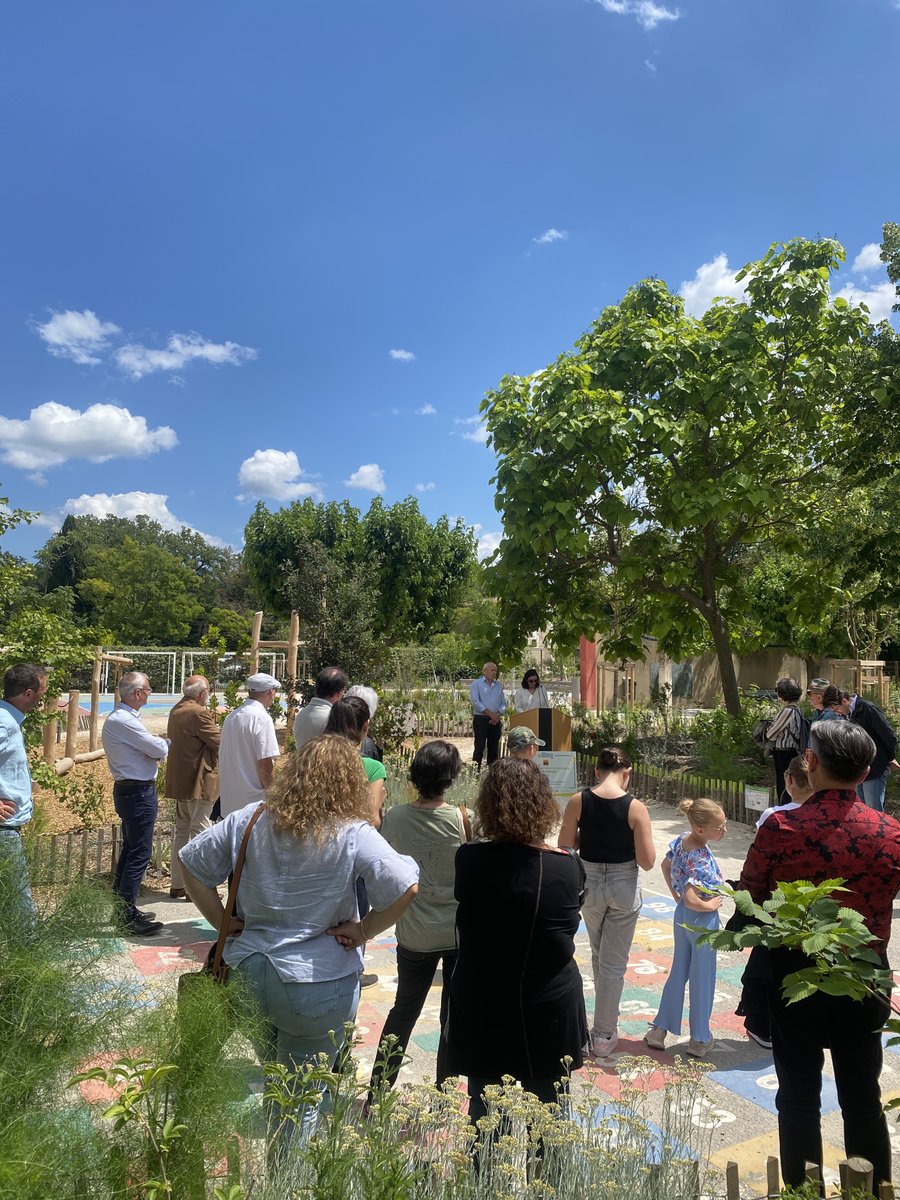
x=134, y=755
x=24, y=686
x=488, y=707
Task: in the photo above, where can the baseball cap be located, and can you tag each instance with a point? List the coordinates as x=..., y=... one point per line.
x=818, y=685
x=261, y=682
x=521, y=736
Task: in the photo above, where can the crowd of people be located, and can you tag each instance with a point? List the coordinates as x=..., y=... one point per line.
x=493, y=896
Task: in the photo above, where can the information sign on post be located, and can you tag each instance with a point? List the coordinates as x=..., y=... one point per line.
x=757, y=798
x=559, y=767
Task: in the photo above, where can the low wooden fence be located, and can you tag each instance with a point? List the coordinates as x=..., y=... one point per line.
x=856, y=1175
x=653, y=783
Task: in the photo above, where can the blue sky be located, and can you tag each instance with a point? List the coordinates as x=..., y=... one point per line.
x=270, y=249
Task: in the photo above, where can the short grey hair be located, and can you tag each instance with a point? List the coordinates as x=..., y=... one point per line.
x=365, y=693
x=844, y=749
x=131, y=681
x=193, y=691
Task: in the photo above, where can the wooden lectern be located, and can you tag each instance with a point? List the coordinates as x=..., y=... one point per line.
x=550, y=724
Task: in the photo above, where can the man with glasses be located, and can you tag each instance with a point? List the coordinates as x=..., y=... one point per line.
x=134, y=755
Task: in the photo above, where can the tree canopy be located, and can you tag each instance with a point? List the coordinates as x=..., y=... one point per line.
x=416, y=570
x=635, y=473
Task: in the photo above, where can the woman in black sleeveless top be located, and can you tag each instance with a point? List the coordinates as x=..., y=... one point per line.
x=611, y=831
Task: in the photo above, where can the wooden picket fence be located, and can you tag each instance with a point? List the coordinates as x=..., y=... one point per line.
x=666, y=787
x=59, y=858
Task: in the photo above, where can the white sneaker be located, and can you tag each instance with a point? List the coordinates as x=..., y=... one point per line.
x=698, y=1049
x=655, y=1038
x=602, y=1047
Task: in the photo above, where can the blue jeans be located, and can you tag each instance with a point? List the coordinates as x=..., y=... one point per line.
x=612, y=905
x=19, y=902
x=136, y=808
x=694, y=968
x=871, y=790
x=304, y=1020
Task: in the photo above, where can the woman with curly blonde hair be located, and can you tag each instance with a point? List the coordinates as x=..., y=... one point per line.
x=516, y=999
x=297, y=941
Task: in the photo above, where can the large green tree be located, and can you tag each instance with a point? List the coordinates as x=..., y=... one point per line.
x=143, y=594
x=417, y=570
x=634, y=473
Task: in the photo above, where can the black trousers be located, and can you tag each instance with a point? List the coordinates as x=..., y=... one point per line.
x=781, y=760
x=415, y=975
x=851, y=1029
x=486, y=734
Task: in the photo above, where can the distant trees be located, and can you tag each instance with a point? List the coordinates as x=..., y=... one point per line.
x=360, y=583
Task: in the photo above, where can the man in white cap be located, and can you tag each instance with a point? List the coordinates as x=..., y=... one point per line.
x=522, y=742
x=249, y=747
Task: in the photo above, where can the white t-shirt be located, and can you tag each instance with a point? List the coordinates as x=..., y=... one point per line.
x=248, y=735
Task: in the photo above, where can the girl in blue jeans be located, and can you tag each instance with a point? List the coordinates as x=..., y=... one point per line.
x=691, y=872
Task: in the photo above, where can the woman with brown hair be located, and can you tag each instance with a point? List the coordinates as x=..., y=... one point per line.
x=297, y=942
x=516, y=1001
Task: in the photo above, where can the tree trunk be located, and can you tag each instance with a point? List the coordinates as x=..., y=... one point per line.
x=722, y=643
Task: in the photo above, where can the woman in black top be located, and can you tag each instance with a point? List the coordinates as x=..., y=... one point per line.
x=611, y=830
x=516, y=999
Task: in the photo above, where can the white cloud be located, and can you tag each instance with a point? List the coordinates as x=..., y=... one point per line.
x=713, y=280
x=878, y=299
x=38, y=478
x=426, y=487
x=80, y=336
x=274, y=475
x=54, y=434
x=137, y=360
x=651, y=66
x=647, y=13
x=403, y=355
x=551, y=235
x=427, y=410
x=126, y=504
x=369, y=476
x=476, y=432
x=869, y=258
x=487, y=542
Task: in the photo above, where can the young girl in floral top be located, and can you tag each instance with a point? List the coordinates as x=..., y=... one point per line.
x=690, y=870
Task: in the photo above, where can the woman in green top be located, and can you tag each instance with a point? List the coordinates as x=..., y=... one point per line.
x=431, y=832
x=350, y=718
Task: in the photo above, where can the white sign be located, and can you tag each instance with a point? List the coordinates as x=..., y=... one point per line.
x=756, y=798
x=559, y=767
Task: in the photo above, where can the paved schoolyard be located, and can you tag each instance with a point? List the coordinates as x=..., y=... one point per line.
x=739, y=1113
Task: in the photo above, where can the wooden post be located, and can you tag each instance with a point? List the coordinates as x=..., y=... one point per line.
x=773, y=1180
x=50, y=731
x=856, y=1175
x=95, y=697
x=732, y=1182
x=72, y=723
x=254, y=643
x=885, y=1191
x=293, y=651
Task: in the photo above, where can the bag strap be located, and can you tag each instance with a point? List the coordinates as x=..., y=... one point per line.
x=232, y=891
x=464, y=820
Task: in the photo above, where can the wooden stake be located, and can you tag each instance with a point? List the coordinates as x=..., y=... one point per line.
x=732, y=1181
x=773, y=1181
x=95, y=697
x=72, y=723
x=254, y=642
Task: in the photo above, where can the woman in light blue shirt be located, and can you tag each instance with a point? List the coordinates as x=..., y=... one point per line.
x=298, y=941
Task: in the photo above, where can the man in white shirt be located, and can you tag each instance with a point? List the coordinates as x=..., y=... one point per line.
x=134, y=755
x=249, y=747
x=310, y=721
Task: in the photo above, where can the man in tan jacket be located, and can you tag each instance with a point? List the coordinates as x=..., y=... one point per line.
x=192, y=769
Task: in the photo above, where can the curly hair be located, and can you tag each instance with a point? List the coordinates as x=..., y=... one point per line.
x=321, y=786
x=515, y=803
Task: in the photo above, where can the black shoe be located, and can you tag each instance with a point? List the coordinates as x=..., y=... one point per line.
x=139, y=926
x=145, y=914
x=367, y=980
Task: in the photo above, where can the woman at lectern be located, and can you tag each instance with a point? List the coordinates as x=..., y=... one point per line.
x=532, y=693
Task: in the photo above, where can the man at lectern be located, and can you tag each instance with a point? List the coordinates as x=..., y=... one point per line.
x=488, y=707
